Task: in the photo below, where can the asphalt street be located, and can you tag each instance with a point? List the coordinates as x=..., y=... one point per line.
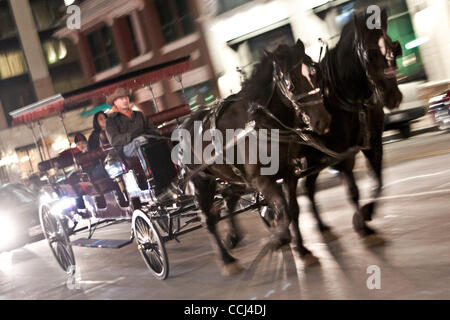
x=413, y=216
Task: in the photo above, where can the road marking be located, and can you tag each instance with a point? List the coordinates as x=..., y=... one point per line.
x=411, y=195
x=442, y=185
x=418, y=156
x=415, y=177
x=269, y=293
x=101, y=284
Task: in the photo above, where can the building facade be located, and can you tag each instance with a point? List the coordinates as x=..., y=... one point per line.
x=119, y=36
x=239, y=30
x=33, y=66
x=41, y=56
x=114, y=37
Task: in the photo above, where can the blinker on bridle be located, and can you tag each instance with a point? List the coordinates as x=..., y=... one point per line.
x=285, y=85
x=363, y=56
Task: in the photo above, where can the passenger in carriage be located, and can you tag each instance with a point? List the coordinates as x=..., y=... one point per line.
x=127, y=130
x=126, y=127
x=98, y=136
x=81, y=145
x=95, y=168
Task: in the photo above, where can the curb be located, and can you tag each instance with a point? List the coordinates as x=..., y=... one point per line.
x=413, y=133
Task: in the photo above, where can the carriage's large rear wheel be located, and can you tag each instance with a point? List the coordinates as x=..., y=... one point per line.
x=150, y=245
x=58, y=239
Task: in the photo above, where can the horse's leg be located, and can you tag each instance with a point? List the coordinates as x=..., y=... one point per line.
x=325, y=230
x=274, y=196
x=374, y=157
x=291, y=191
x=234, y=235
x=205, y=189
x=359, y=223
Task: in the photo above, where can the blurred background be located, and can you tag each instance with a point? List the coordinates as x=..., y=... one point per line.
x=40, y=56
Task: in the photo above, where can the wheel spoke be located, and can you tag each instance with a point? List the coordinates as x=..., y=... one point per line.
x=151, y=247
x=58, y=239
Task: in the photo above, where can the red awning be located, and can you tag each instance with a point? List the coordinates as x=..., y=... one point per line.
x=129, y=84
x=38, y=110
x=133, y=80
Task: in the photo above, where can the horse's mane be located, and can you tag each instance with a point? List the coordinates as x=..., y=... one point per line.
x=259, y=80
x=341, y=67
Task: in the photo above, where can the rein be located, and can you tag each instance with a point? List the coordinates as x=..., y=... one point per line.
x=290, y=135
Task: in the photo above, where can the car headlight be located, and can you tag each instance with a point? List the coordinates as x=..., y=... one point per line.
x=8, y=230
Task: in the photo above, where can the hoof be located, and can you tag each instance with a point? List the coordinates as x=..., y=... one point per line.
x=280, y=239
x=231, y=241
x=231, y=269
x=367, y=211
x=374, y=240
x=309, y=260
x=329, y=236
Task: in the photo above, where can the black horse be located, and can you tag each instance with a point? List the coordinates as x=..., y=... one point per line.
x=358, y=78
x=277, y=96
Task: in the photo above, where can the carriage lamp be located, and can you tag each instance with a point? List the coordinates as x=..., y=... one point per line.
x=114, y=167
x=7, y=231
x=63, y=205
x=47, y=197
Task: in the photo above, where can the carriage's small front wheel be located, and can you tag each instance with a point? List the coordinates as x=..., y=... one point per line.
x=58, y=239
x=150, y=245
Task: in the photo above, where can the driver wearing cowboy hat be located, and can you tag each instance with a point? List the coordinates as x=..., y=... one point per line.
x=125, y=127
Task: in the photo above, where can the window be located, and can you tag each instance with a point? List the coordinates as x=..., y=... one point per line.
x=175, y=18
x=131, y=33
x=28, y=159
x=227, y=5
x=270, y=41
x=47, y=13
x=12, y=63
x=16, y=92
x=7, y=26
x=102, y=49
x=55, y=50
x=200, y=95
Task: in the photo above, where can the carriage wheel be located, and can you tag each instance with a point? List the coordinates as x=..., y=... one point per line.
x=150, y=245
x=58, y=239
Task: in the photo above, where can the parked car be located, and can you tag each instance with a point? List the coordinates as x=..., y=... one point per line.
x=439, y=106
x=411, y=109
x=19, y=216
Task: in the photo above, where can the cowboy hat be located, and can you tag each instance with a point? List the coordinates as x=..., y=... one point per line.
x=118, y=93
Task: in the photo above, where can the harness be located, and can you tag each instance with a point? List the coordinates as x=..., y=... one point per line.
x=359, y=106
x=287, y=135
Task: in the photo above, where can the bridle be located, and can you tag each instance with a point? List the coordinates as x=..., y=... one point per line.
x=284, y=83
x=362, y=53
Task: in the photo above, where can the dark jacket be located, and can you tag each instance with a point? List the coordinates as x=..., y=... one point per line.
x=98, y=136
x=121, y=130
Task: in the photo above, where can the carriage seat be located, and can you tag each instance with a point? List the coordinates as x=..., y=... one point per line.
x=102, y=184
x=159, y=163
x=135, y=164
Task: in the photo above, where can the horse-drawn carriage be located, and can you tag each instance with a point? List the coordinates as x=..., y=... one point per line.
x=284, y=95
x=129, y=192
